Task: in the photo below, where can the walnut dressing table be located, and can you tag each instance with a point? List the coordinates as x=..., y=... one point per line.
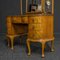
x=37, y=24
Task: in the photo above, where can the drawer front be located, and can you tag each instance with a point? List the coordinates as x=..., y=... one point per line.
x=24, y=19
x=16, y=19
x=35, y=26
x=36, y=34
x=35, y=20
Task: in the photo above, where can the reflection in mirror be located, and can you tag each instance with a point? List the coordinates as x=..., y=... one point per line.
x=32, y=5
x=48, y=6
x=37, y=6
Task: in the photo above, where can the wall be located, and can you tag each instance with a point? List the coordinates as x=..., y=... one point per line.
x=8, y=7
x=12, y=7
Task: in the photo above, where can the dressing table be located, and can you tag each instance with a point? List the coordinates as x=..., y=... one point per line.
x=37, y=24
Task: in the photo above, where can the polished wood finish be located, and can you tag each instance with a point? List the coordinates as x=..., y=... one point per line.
x=40, y=29
x=38, y=26
x=43, y=5
x=52, y=6
x=16, y=26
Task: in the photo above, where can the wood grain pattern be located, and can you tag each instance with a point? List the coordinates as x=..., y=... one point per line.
x=41, y=24
x=39, y=29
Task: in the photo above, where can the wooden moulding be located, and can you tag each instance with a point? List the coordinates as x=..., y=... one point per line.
x=52, y=6
x=21, y=6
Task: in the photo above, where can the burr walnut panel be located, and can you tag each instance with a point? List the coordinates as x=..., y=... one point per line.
x=34, y=20
x=24, y=19
x=13, y=28
x=40, y=27
x=20, y=19
x=16, y=19
x=37, y=25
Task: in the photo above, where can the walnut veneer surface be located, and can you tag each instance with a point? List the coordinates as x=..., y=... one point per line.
x=39, y=28
x=41, y=23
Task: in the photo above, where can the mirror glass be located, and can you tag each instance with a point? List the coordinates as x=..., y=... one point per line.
x=48, y=6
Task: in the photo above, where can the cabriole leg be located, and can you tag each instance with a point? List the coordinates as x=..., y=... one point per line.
x=43, y=46
x=28, y=45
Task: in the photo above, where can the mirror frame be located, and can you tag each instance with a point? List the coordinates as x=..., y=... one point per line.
x=42, y=4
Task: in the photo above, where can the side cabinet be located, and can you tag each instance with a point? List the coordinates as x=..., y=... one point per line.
x=40, y=27
x=16, y=24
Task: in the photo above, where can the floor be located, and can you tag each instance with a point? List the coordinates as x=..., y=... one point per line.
x=20, y=50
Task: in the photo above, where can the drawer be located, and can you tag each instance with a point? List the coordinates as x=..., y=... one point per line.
x=35, y=34
x=24, y=19
x=35, y=26
x=35, y=20
x=16, y=19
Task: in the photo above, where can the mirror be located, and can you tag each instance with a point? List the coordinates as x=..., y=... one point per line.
x=48, y=6
x=34, y=6
x=37, y=6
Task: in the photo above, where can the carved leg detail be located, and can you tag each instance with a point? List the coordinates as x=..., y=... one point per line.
x=43, y=46
x=52, y=45
x=28, y=45
x=12, y=39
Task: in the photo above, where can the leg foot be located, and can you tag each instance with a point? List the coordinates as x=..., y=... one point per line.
x=52, y=50
x=43, y=56
x=28, y=54
x=28, y=45
x=8, y=41
x=12, y=48
x=43, y=46
x=52, y=46
x=12, y=39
